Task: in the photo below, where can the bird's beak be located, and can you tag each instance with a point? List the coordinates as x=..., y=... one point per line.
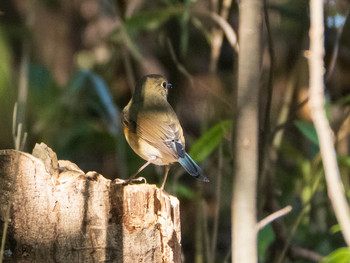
x=169, y=86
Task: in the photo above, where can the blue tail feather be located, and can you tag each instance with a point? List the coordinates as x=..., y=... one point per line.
x=192, y=168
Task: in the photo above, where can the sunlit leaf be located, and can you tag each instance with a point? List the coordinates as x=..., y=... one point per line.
x=308, y=130
x=335, y=229
x=341, y=255
x=210, y=140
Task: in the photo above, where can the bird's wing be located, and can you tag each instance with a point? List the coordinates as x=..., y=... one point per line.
x=163, y=131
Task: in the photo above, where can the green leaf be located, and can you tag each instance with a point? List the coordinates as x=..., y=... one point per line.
x=265, y=238
x=5, y=62
x=210, y=140
x=336, y=228
x=308, y=130
x=85, y=79
x=344, y=161
x=151, y=20
x=341, y=255
x=107, y=101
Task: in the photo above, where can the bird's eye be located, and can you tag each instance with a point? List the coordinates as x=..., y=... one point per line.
x=164, y=84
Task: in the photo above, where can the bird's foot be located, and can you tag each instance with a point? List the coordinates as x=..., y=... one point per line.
x=130, y=180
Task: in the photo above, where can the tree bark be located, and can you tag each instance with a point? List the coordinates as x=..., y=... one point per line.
x=60, y=214
x=244, y=234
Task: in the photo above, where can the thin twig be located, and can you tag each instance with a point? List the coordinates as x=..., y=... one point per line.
x=270, y=157
x=290, y=120
x=316, y=95
x=217, y=35
x=128, y=68
x=179, y=66
x=305, y=208
x=205, y=231
x=267, y=117
x=217, y=206
x=267, y=220
x=225, y=26
x=198, y=258
x=305, y=253
x=336, y=49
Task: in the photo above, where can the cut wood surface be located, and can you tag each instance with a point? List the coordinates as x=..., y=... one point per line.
x=61, y=214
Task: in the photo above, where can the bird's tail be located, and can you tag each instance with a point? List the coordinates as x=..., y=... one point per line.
x=192, y=168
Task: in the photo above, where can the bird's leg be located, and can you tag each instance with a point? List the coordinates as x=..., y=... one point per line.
x=132, y=178
x=167, y=168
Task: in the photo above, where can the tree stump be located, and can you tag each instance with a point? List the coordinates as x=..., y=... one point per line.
x=61, y=214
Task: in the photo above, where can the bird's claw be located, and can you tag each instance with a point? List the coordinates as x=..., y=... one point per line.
x=130, y=180
x=138, y=179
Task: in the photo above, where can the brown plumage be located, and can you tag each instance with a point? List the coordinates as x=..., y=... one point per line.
x=152, y=128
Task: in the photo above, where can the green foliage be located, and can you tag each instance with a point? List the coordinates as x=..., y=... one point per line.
x=185, y=191
x=5, y=62
x=265, y=238
x=344, y=101
x=344, y=167
x=79, y=111
x=341, y=255
x=210, y=140
x=335, y=229
x=106, y=106
x=308, y=130
x=151, y=20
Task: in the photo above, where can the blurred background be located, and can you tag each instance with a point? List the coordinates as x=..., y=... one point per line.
x=72, y=66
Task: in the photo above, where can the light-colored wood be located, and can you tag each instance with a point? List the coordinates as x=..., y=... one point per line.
x=85, y=219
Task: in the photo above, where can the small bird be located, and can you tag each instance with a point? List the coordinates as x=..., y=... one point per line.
x=153, y=130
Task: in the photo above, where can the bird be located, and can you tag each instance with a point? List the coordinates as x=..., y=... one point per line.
x=152, y=128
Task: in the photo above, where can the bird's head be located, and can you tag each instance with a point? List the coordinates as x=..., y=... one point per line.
x=153, y=85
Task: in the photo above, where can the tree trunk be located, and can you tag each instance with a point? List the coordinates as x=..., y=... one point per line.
x=60, y=214
x=243, y=206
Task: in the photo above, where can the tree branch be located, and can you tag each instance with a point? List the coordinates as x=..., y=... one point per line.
x=334, y=183
x=267, y=220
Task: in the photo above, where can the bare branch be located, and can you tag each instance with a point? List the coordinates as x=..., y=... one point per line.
x=267, y=220
x=316, y=95
x=305, y=253
x=225, y=26
x=217, y=35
